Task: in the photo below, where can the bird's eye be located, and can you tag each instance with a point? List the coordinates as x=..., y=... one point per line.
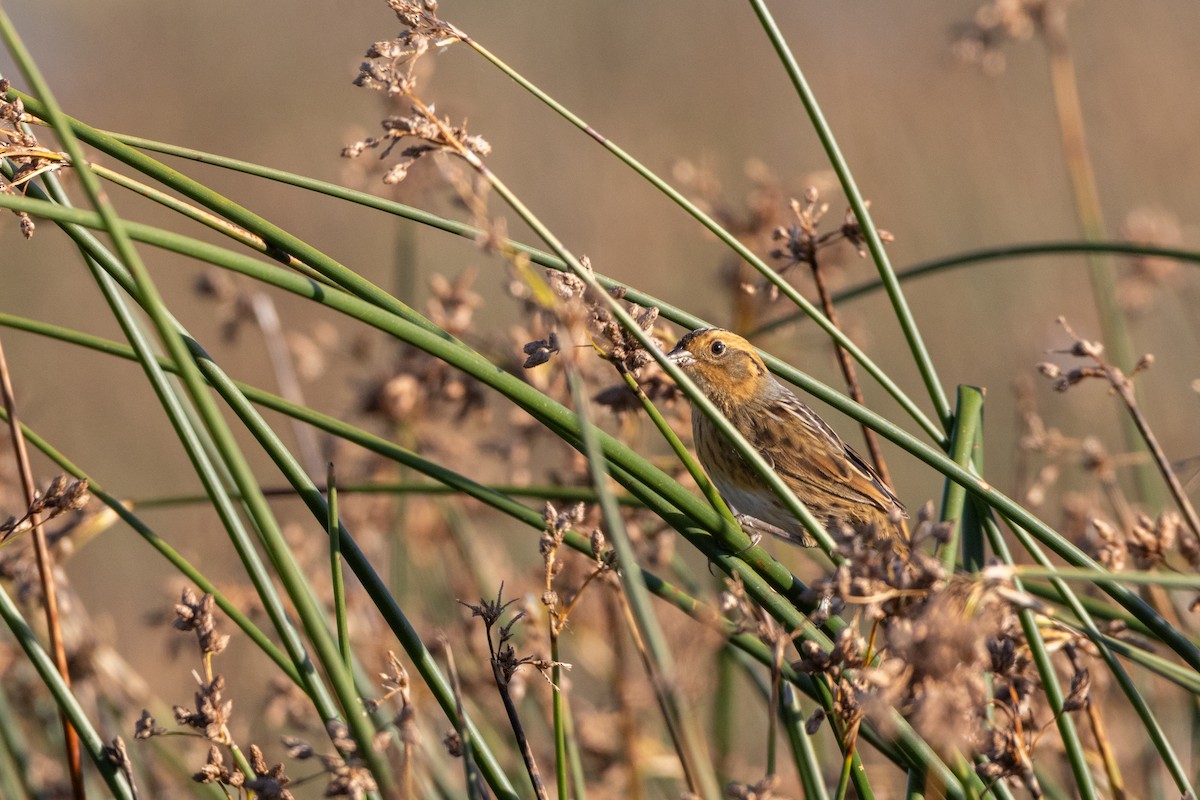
x=717, y=348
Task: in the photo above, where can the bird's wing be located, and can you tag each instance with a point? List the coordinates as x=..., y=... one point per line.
x=823, y=459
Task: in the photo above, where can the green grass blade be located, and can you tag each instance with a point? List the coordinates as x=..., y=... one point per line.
x=89, y=740
x=1076, y=756
x=333, y=530
x=871, y=236
x=803, y=754
x=679, y=718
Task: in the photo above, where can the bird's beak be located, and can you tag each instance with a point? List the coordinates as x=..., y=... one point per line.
x=681, y=357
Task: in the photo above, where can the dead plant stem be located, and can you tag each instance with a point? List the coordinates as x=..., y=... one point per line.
x=45, y=572
x=850, y=374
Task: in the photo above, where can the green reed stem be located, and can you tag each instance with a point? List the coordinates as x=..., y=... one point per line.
x=871, y=236
x=803, y=754
x=41, y=661
x=561, y=783
x=968, y=421
x=333, y=530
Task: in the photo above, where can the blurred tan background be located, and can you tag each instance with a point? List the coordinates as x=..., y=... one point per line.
x=951, y=159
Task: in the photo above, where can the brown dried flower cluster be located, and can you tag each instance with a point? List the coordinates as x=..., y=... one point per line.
x=62, y=495
x=267, y=782
x=432, y=135
x=23, y=149
x=1135, y=535
x=346, y=770
x=391, y=68
x=1145, y=276
x=981, y=40
x=802, y=239
x=933, y=640
x=398, y=687
x=192, y=614
x=788, y=230
x=560, y=603
x=505, y=661
x=569, y=303
x=420, y=385
x=212, y=713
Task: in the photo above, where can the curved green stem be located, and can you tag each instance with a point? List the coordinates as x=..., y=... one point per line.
x=996, y=253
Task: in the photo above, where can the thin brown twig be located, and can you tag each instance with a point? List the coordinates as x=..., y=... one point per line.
x=45, y=573
x=849, y=373
x=1115, y=782
x=1124, y=389
x=504, y=663
x=1123, y=386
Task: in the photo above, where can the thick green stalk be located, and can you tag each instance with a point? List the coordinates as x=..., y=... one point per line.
x=209, y=220
x=561, y=784
x=968, y=419
x=1172, y=580
x=805, y=757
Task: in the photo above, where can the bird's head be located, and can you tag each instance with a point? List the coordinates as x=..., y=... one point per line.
x=725, y=366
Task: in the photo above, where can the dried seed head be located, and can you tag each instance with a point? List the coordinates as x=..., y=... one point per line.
x=146, y=727
x=298, y=748
x=192, y=614
x=212, y=712
x=214, y=769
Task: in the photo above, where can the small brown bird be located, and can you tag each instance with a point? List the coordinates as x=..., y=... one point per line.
x=832, y=480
